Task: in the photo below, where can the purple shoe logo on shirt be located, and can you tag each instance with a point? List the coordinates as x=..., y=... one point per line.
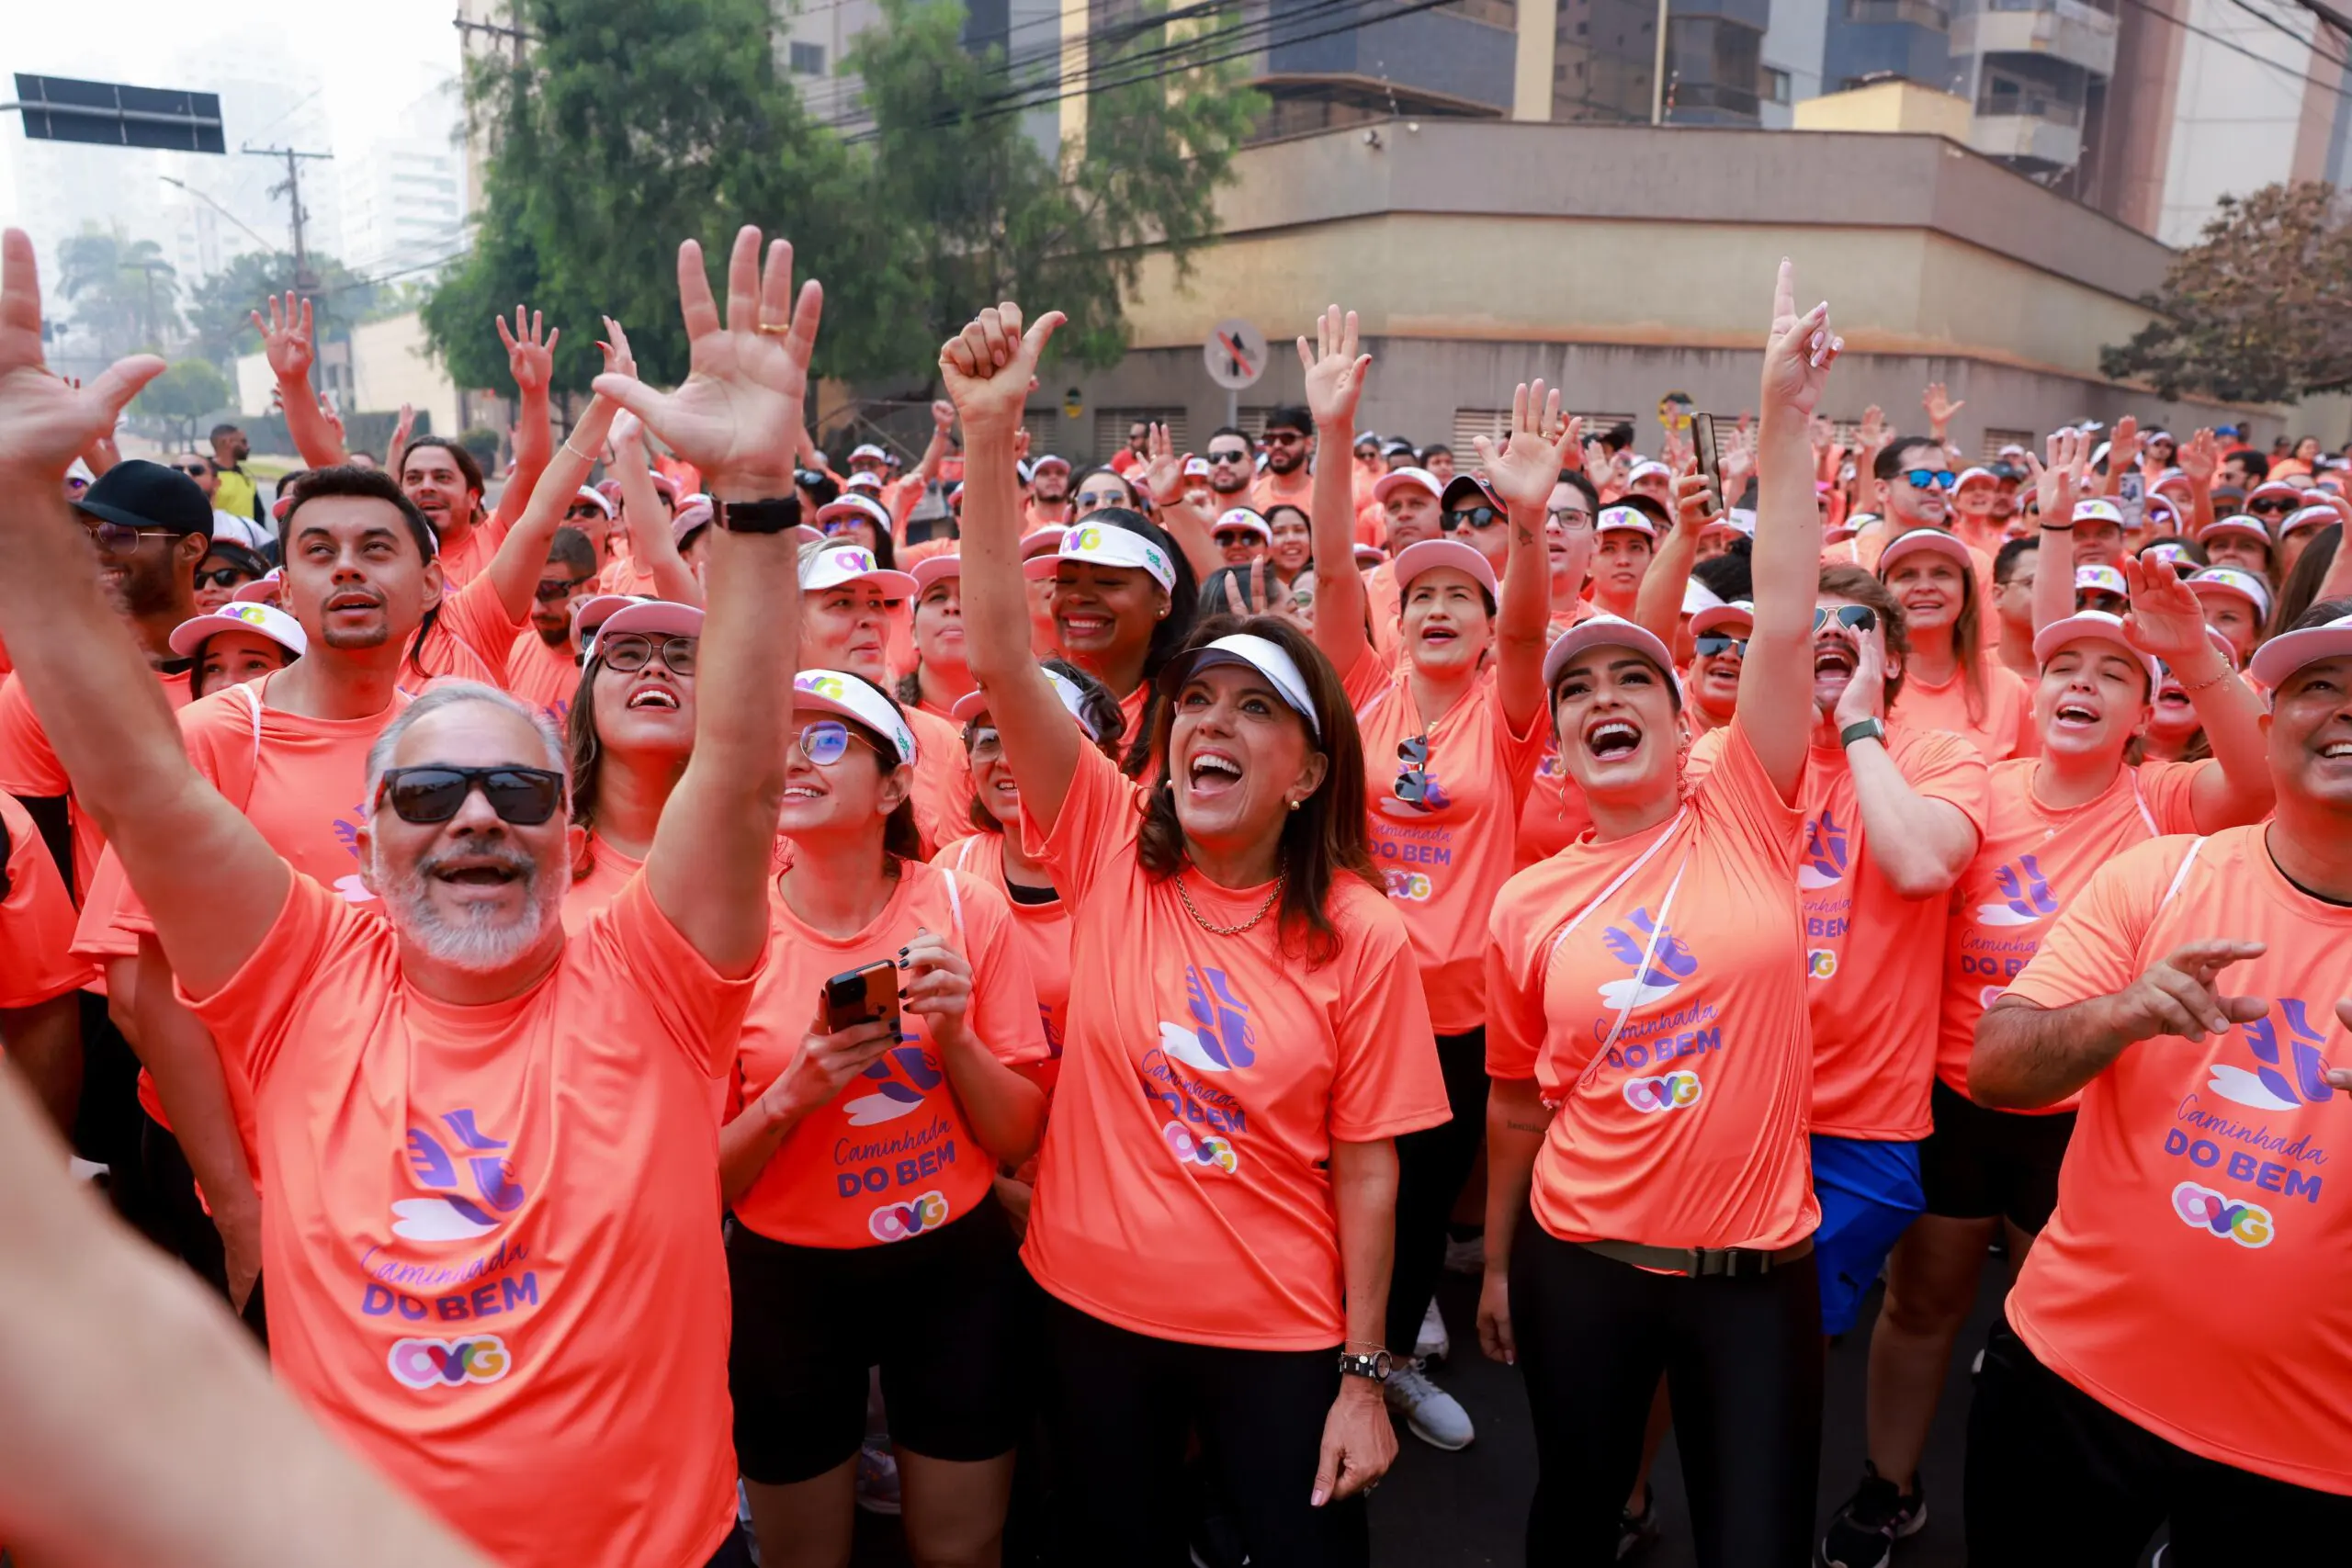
x=454, y=1214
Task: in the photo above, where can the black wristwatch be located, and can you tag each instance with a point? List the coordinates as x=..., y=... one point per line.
x=777, y=516
x=1375, y=1366
x=1862, y=730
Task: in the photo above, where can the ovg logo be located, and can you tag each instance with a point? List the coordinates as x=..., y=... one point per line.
x=1220, y=1037
x=454, y=1214
x=1824, y=853
x=1669, y=1091
x=1655, y=976
x=828, y=686
x=446, y=1363
x=2027, y=896
x=1413, y=886
x=896, y=1221
x=1204, y=1150
x=2293, y=1073
x=855, y=559
x=252, y=614
x=2202, y=1208
x=1084, y=539
x=1820, y=963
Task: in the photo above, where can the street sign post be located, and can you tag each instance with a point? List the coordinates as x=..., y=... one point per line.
x=59, y=109
x=1235, y=355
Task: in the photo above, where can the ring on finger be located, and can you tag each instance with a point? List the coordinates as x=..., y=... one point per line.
x=775, y=329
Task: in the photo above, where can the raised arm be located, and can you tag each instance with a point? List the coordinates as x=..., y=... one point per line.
x=287, y=344
x=1522, y=472
x=734, y=420
x=2199, y=457
x=2055, y=485
x=2167, y=621
x=212, y=884
x=1919, y=843
x=1658, y=608
x=651, y=544
x=1776, y=678
x=523, y=553
x=1194, y=529
x=988, y=368
x=1335, y=378
x=910, y=490
x=532, y=364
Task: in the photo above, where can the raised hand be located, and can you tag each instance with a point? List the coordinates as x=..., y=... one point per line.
x=1164, y=472
x=739, y=416
x=1526, y=465
x=991, y=367
x=2200, y=456
x=2166, y=618
x=2054, y=482
x=1865, y=695
x=614, y=345
x=1873, y=434
x=334, y=420
x=2122, y=447
x=1939, y=407
x=2178, y=995
x=44, y=423
x=401, y=428
x=1798, y=353
x=1694, y=505
x=286, y=336
x=1335, y=369
x=528, y=360
x=943, y=415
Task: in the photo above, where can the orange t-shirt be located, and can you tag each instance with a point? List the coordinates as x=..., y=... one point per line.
x=608, y=872
x=37, y=964
x=462, y=563
x=2007, y=729
x=1447, y=851
x=547, y=678
x=467, y=642
x=491, y=1234
x=942, y=792
x=891, y=1156
x=1185, y=1188
x=2032, y=863
x=1685, y=943
x=1873, y=958
x=2197, y=1275
x=1269, y=489
x=1041, y=930
x=1388, y=601
x=1555, y=815
x=30, y=768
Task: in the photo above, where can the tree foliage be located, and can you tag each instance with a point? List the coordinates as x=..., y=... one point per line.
x=220, y=309
x=124, y=293
x=183, y=396
x=626, y=128
x=2257, y=310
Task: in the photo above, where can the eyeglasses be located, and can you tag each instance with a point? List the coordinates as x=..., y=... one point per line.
x=1471, y=517
x=1569, y=516
x=1234, y=538
x=198, y=469
x=627, y=651
x=1853, y=617
x=983, y=743
x=826, y=742
x=522, y=796
x=116, y=540
x=222, y=576
x=1228, y=456
x=551, y=589
x=2271, y=508
x=1714, y=644
x=1922, y=479
x=834, y=526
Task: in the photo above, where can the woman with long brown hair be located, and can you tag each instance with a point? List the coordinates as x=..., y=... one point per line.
x=1948, y=681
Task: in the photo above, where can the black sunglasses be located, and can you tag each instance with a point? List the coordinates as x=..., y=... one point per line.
x=1414, y=785
x=1471, y=517
x=1713, y=643
x=523, y=796
x=2271, y=508
x=198, y=469
x=625, y=651
x=551, y=589
x=1228, y=456
x=1853, y=617
x=222, y=576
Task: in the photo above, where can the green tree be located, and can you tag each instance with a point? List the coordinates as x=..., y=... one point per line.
x=124, y=293
x=220, y=311
x=182, y=396
x=2259, y=310
x=625, y=128
x=981, y=214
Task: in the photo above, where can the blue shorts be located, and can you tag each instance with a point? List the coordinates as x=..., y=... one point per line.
x=1870, y=1193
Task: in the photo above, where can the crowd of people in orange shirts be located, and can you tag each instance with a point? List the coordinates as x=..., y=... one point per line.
x=679, y=1006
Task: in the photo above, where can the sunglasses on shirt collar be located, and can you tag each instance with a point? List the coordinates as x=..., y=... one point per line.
x=1923, y=479
x=522, y=796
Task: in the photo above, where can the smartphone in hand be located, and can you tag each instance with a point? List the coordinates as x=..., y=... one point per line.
x=867, y=995
x=1702, y=442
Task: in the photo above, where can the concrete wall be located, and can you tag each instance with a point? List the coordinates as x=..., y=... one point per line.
x=390, y=364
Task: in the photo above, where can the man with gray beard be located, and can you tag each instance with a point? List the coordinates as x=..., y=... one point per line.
x=488, y=1152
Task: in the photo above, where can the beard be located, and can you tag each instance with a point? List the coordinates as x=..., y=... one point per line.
x=149, y=586
x=481, y=940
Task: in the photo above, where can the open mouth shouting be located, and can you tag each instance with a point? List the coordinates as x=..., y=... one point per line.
x=1213, y=771
x=1613, y=739
x=653, y=696
x=2075, y=714
x=479, y=874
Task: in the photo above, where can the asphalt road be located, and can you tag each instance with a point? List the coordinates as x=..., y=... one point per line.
x=1468, y=1509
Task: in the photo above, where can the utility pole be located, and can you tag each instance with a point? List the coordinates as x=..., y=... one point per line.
x=511, y=31
x=306, y=283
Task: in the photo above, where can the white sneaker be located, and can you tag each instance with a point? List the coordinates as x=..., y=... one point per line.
x=1467, y=1255
x=1433, y=1343
x=1433, y=1416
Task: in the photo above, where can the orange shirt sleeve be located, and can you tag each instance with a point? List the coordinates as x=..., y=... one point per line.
x=28, y=766
x=1941, y=766
x=248, y=1015
x=698, y=1008
x=2167, y=789
x=1387, y=1081
x=36, y=962
x=1514, y=1004
x=2093, y=949
x=2028, y=741
x=474, y=616
x=1741, y=795
x=1099, y=818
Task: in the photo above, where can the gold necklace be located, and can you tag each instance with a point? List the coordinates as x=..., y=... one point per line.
x=1201, y=921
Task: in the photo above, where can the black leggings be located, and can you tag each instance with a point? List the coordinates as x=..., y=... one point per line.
x=1431, y=1166
x=1742, y=1359
x=1119, y=1409
x=2055, y=1477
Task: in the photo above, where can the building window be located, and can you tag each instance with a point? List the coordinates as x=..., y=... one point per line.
x=1776, y=85
x=808, y=58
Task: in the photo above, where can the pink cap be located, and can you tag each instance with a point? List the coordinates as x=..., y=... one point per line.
x=1432, y=554
x=1934, y=541
x=1407, y=478
x=931, y=568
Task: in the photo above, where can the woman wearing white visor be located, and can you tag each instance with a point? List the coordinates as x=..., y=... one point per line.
x=1123, y=598
x=1652, y=1061
x=237, y=643
x=2236, y=604
x=849, y=606
x=1246, y=1039
x=1452, y=736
